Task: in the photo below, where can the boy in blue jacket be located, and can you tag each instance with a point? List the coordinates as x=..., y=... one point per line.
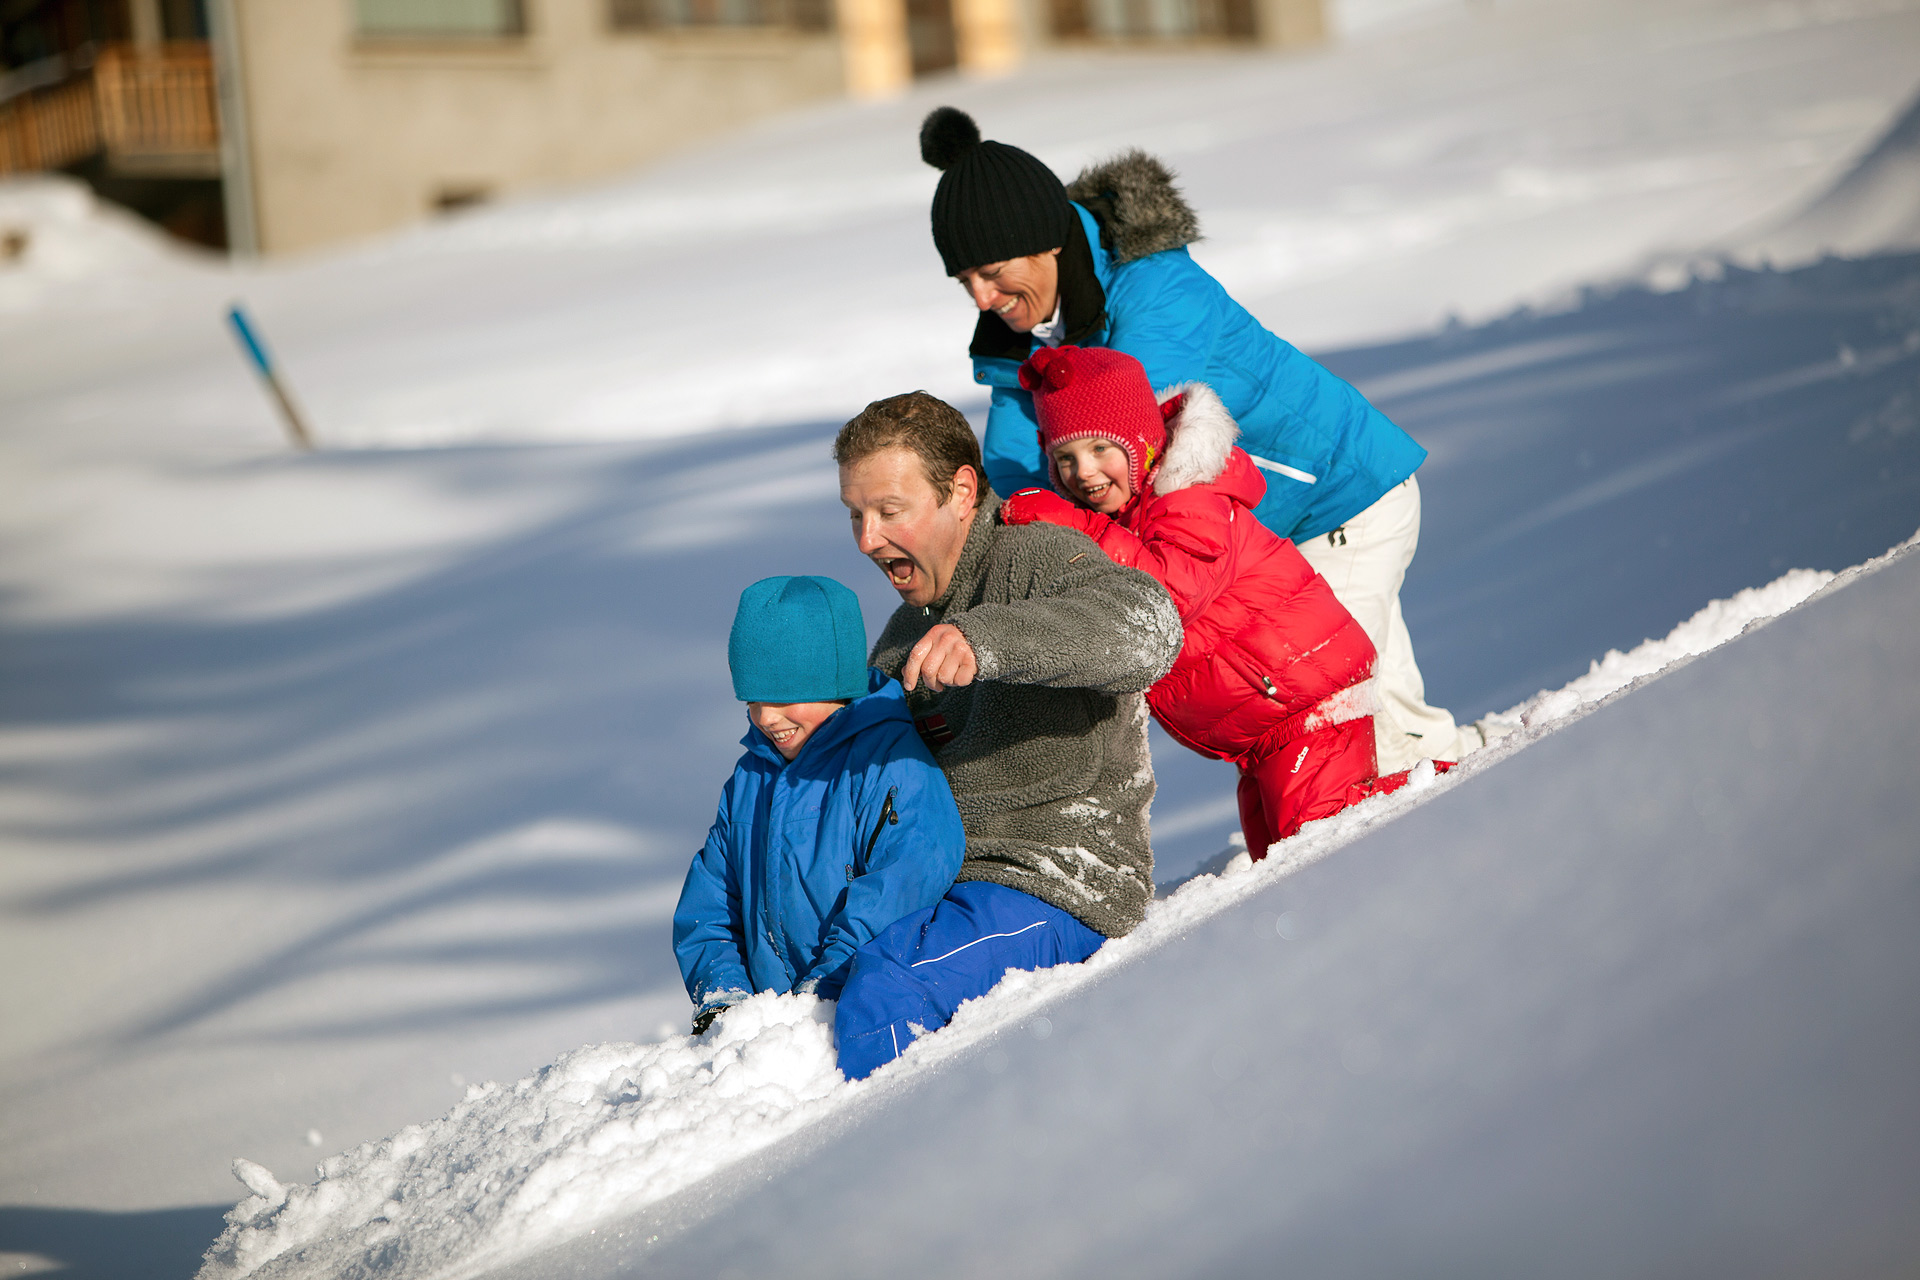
x=835, y=823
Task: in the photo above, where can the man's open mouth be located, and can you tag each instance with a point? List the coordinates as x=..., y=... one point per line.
x=899, y=572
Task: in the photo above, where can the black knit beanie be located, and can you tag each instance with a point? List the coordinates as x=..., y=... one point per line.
x=994, y=202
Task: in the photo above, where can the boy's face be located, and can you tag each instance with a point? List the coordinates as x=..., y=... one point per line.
x=901, y=525
x=1095, y=472
x=788, y=725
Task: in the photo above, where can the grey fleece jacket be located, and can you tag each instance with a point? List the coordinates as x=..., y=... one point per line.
x=1048, y=755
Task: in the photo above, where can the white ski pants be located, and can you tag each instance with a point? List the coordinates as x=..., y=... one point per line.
x=1365, y=561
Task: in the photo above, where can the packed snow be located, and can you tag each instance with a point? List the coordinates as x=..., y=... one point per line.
x=56, y=234
x=609, y=1129
x=332, y=783
x=1873, y=208
x=1638, y=1001
x=1449, y=166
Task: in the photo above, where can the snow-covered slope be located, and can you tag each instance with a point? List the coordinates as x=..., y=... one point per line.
x=577, y=1148
x=1488, y=155
x=56, y=237
x=331, y=784
x=1873, y=208
x=1597, y=472
x=1640, y=1000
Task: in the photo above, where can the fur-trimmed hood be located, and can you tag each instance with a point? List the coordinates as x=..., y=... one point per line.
x=1139, y=210
x=1200, y=439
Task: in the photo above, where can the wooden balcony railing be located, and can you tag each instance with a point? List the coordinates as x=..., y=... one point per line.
x=49, y=128
x=149, y=110
x=157, y=106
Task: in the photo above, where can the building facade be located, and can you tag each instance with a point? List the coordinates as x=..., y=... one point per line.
x=321, y=121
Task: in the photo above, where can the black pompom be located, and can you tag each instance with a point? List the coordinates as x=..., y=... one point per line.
x=947, y=134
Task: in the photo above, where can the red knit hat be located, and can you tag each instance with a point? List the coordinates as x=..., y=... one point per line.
x=1082, y=392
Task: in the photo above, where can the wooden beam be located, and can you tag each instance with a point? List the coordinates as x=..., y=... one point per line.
x=873, y=47
x=988, y=34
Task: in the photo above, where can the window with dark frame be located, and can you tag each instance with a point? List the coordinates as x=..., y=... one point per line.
x=442, y=19
x=1153, y=19
x=652, y=15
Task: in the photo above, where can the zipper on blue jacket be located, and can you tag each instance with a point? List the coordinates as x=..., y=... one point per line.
x=887, y=815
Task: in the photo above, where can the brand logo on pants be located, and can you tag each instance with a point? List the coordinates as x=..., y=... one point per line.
x=1300, y=760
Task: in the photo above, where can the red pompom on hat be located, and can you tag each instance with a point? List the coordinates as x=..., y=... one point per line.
x=1083, y=392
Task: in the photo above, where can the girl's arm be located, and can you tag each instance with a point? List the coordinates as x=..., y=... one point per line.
x=1183, y=543
x=908, y=848
x=1048, y=507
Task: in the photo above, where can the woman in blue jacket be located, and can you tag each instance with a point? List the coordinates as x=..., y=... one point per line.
x=835, y=823
x=1104, y=263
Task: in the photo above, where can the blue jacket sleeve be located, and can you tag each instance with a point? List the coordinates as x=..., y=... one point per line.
x=1011, y=448
x=909, y=820
x=709, y=929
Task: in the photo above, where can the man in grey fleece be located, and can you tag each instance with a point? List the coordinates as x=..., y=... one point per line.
x=1025, y=653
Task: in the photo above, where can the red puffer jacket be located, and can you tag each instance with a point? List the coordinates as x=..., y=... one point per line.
x=1270, y=654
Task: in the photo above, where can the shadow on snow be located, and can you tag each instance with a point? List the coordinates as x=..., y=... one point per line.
x=91, y=1244
x=546, y=720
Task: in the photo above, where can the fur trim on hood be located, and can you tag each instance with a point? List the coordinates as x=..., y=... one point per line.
x=1200, y=438
x=1139, y=210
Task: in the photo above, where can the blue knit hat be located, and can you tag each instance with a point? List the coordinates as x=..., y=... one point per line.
x=798, y=640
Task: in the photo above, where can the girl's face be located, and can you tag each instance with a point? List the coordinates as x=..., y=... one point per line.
x=788, y=725
x=1095, y=473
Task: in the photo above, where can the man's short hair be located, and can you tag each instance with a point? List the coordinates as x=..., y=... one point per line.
x=927, y=425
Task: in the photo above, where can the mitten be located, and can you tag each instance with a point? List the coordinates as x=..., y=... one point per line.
x=704, y=1016
x=1043, y=505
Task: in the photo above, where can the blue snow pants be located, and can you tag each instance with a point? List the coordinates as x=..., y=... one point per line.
x=917, y=970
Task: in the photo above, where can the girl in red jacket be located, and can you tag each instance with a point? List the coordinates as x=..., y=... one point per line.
x=1275, y=674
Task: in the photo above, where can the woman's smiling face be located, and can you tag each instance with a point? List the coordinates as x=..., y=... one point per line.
x=1023, y=292
x=1095, y=472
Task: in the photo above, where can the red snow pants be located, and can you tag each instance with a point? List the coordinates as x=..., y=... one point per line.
x=1309, y=777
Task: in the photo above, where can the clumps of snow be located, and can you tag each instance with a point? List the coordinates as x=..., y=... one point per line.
x=54, y=232
x=513, y=1168
x=609, y=1129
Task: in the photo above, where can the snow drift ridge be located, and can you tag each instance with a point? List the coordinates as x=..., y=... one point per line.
x=609, y=1129
x=1873, y=208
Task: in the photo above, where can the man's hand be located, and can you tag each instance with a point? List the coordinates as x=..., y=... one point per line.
x=943, y=660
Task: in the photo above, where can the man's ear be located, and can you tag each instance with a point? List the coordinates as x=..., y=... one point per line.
x=966, y=489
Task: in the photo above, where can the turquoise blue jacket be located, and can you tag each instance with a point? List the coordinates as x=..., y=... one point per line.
x=809, y=859
x=1326, y=453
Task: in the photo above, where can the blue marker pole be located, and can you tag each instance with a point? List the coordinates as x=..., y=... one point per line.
x=257, y=351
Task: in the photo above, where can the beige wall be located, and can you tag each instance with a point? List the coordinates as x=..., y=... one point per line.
x=1290, y=24
x=349, y=137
